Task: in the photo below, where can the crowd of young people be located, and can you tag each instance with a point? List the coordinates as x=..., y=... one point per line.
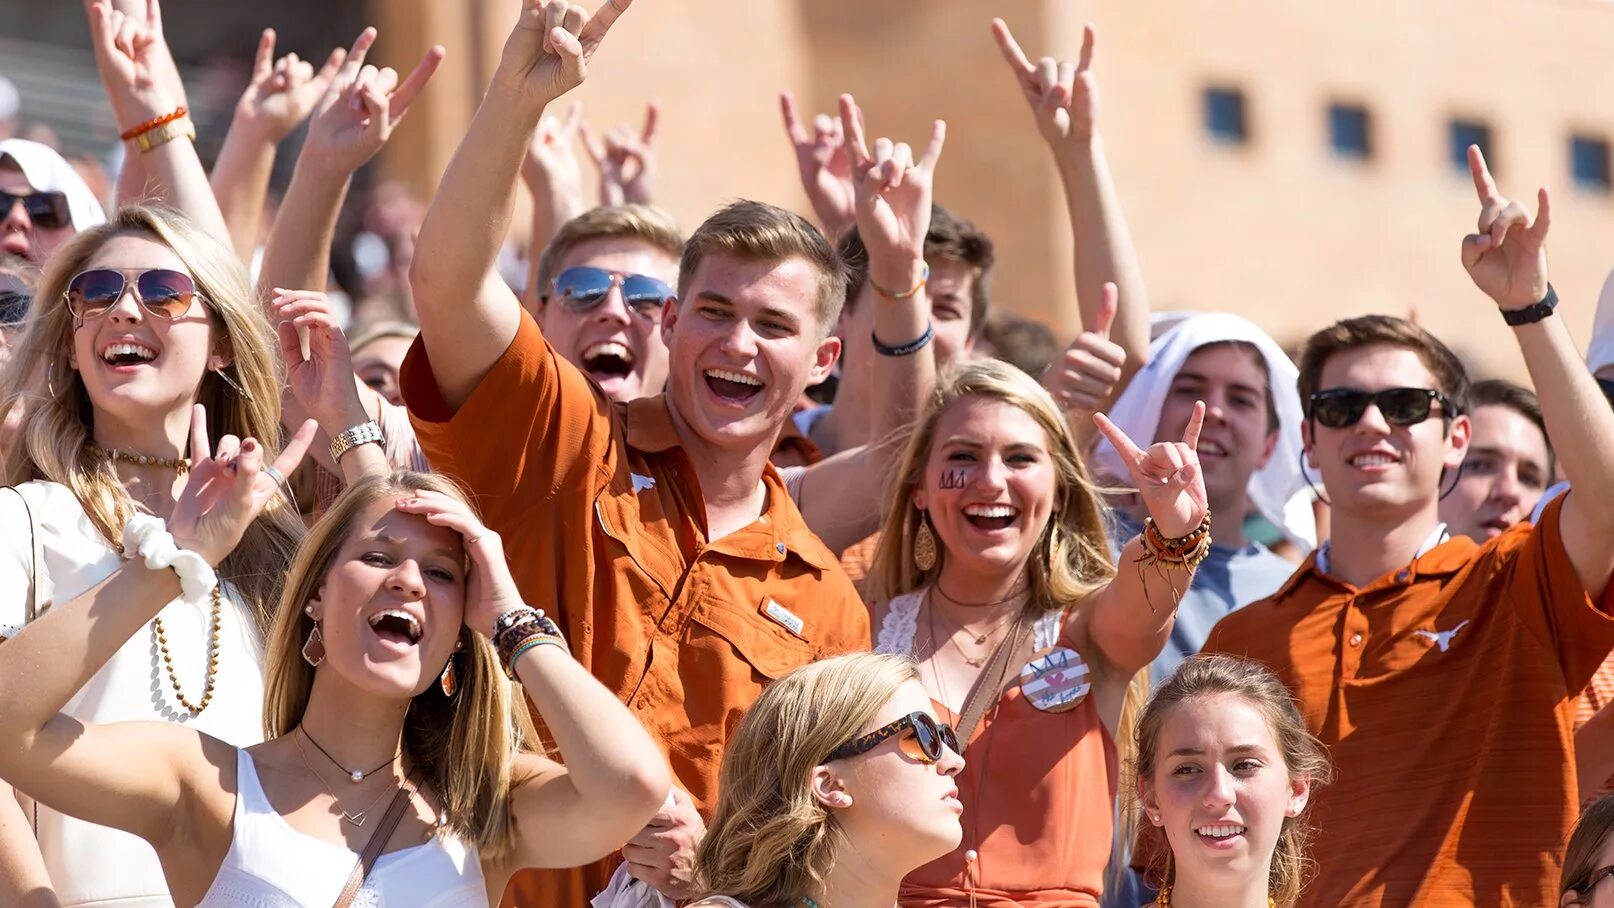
x=638, y=614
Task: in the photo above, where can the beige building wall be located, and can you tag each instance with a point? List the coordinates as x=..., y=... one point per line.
x=1279, y=229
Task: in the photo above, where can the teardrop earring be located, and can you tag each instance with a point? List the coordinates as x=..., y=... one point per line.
x=314, y=648
x=448, y=680
x=924, y=545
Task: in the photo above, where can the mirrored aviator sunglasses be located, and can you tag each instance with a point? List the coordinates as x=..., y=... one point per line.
x=582, y=288
x=165, y=293
x=1338, y=408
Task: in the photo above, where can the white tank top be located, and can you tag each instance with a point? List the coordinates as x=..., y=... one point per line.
x=272, y=865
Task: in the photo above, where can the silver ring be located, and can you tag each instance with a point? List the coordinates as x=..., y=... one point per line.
x=279, y=478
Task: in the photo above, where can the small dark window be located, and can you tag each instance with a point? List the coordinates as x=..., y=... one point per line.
x=1471, y=132
x=1588, y=158
x=1224, y=116
x=1350, y=130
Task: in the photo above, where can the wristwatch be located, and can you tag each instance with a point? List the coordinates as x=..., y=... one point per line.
x=362, y=434
x=1531, y=314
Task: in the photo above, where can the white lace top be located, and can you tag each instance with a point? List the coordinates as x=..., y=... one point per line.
x=272, y=865
x=900, y=628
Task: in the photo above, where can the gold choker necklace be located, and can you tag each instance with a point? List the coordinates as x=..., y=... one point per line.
x=180, y=465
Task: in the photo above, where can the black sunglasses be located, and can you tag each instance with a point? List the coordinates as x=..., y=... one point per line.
x=14, y=307
x=162, y=292
x=927, y=734
x=45, y=209
x=582, y=288
x=1337, y=408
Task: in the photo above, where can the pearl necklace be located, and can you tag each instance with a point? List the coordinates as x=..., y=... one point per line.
x=180, y=465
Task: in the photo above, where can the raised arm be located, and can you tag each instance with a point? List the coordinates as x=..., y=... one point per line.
x=841, y=497
x=1130, y=619
x=824, y=166
x=132, y=176
x=555, y=180
x=1064, y=100
x=132, y=57
x=1507, y=260
x=321, y=383
x=615, y=776
x=281, y=95
x=626, y=160
x=1086, y=377
x=546, y=55
x=140, y=777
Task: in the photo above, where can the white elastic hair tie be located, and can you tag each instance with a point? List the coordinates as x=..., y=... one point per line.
x=148, y=537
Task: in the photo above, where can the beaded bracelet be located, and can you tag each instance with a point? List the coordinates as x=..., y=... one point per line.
x=155, y=122
x=527, y=643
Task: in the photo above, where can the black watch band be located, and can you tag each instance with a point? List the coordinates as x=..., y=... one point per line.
x=1529, y=315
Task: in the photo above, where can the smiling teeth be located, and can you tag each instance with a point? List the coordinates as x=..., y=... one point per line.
x=1371, y=460
x=990, y=510
x=1220, y=832
x=608, y=348
x=117, y=350
x=739, y=378
x=414, y=626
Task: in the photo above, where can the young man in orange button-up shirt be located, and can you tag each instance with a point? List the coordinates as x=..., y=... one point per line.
x=1443, y=675
x=671, y=552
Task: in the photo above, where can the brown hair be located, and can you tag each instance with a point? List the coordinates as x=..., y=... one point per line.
x=1497, y=392
x=1369, y=330
x=1209, y=675
x=950, y=239
x=757, y=231
x=1591, y=835
x=1261, y=362
x=464, y=746
x=771, y=842
x=1027, y=345
x=635, y=222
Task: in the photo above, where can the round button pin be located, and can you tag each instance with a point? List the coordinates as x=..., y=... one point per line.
x=1056, y=681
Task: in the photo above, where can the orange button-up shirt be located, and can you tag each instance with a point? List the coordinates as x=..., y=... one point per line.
x=1445, y=692
x=605, y=528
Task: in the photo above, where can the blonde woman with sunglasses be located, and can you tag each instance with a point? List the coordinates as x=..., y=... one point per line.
x=133, y=323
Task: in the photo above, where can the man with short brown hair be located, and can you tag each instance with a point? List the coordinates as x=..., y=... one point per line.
x=1443, y=674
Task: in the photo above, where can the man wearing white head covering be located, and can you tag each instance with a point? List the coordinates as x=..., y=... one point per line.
x=1249, y=452
x=43, y=200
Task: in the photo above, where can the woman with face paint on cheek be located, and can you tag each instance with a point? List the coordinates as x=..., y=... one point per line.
x=132, y=324
x=994, y=573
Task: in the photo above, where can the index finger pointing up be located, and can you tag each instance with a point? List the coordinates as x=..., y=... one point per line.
x=1483, y=184
x=1010, y=48
x=1190, y=435
x=1130, y=452
x=201, y=447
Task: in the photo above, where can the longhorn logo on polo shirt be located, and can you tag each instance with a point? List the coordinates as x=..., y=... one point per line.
x=1442, y=639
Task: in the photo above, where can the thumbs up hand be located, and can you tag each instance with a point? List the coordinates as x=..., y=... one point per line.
x=1084, y=377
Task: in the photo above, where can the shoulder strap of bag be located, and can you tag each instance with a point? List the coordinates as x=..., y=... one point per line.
x=378, y=841
x=989, y=684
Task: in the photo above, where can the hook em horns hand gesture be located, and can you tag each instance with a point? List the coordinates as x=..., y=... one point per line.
x=1167, y=475
x=548, y=52
x=892, y=191
x=1507, y=257
x=284, y=92
x=1062, y=95
x=228, y=487
x=363, y=105
x=826, y=172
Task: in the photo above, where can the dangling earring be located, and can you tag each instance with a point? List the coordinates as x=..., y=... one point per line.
x=448, y=680
x=924, y=544
x=314, y=648
x=231, y=382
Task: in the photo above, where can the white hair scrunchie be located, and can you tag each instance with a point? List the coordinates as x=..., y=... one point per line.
x=148, y=537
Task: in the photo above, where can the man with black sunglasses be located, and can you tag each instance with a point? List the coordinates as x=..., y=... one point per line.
x=1442, y=673
x=43, y=200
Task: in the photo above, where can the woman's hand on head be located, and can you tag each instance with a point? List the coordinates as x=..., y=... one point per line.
x=490, y=590
x=228, y=486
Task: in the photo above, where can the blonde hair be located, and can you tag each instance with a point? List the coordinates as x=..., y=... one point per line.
x=1207, y=675
x=53, y=442
x=464, y=747
x=645, y=223
x=770, y=841
x=759, y=232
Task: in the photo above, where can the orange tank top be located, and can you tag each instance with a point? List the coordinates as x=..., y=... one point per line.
x=1038, y=790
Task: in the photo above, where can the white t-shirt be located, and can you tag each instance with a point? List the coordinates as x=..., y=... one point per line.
x=93, y=864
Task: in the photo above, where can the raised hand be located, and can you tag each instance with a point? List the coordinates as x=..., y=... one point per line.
x=1062, y=95
x=892, y=191
x=362, y=106
x=134, y=63
x=548, y=52
x=227, y=488
x=825, y=168
x=283, y=92
x=626, y=160
x=490, y=591
x=1507, y=257
x=319, y=368
x=551, y=155
x=1167, y=475
x=1085, y=375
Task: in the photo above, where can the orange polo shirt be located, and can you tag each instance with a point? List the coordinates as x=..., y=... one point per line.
x=605, y=528
x=1446, y=692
